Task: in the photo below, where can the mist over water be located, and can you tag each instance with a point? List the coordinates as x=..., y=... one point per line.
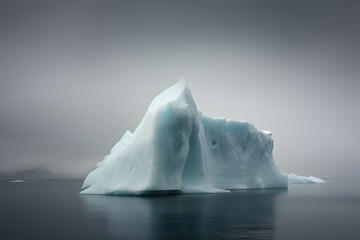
x=74, y=76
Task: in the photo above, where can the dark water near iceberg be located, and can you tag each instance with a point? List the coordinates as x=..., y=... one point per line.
x=55, y=210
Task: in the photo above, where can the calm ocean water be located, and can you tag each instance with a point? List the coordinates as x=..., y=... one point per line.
x=55, y=210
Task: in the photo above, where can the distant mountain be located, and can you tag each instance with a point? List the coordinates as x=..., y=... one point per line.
x=33, y=173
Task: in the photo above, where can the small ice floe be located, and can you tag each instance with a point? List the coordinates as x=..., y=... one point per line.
x=16, y=181
x=293, y=178
x=327, y=177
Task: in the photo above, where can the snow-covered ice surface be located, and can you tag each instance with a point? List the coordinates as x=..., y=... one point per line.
x=293, y=178
x=177, y=148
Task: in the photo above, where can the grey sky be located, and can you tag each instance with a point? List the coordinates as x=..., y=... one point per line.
x=75, y=75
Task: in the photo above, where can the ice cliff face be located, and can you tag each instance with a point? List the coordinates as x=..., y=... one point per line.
x=176, y=148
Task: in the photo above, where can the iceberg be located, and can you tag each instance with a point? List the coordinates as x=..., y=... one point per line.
x=16, y=181
x=176, y=148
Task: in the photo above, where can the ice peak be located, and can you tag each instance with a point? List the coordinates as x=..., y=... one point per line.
x=182, y=80
x=180, y=85
x=170, y=94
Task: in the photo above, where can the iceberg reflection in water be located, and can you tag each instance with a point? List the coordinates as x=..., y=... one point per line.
x=241, y=214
